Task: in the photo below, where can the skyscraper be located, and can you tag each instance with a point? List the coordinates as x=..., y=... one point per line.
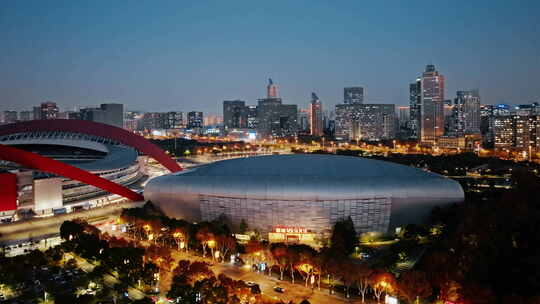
x=275, y=119
x=271, y=89
x=48, y=110
x=415, y=101
x=174, y=120
x=432, y=110
x=113, y=114
x=315, y=116
x=365, y=121
x=9, y=116
x=195, y=120
x=108, y=113
x=235, y=114
x=466, y=113
x=353, y=95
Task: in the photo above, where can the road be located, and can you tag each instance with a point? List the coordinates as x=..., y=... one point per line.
x=293, y=292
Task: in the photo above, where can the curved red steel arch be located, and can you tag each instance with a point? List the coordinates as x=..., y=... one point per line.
x=42, y=163
x=97, y=129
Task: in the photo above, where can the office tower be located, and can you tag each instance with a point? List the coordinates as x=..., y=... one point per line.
x=235, y=114
x=48, y=110
x=431, y=111
x=365, y=121
x=271, y=89
x=251, y=117
x=315, y=116
x=415, y=101
x=466, y=113
x=108, y=113
x=134, y=121
x=174, y=120
x=404, y=116
x=9, y=117
x=303, y=121
x=26, y=115
x=154, y=121
x=73, y=115
x=275, y=119
x=517, y=131
x=36, y=113
x=503, y=128
x=195, y=120
x=353, y=95
x=113, y=114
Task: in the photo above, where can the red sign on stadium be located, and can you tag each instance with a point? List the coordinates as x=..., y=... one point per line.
x=285, y=229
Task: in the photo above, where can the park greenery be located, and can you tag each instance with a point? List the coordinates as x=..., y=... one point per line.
x=485, y=250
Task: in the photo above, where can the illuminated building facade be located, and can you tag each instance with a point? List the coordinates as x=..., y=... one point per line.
x=465, y=117
x=365, y=121
x=315, y=116
x=353, y=95
x=235, y=114
x=431, y=108
x=310, y=192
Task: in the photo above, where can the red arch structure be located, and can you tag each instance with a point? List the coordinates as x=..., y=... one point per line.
x=96, y=129
x=42, y=163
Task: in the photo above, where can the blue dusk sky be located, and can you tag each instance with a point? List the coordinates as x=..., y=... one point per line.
x=191, y=55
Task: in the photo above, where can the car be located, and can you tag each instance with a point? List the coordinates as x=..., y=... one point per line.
x=279, y=289
x=250, y=283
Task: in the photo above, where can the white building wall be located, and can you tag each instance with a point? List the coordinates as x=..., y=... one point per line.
x=47, y=194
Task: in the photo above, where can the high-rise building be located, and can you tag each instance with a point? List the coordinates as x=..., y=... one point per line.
x=365, y=121
x=275, y=119
x=271, y=89
x=432, y=108
x=26, y=115
x=48, y=110
x=9, y=117
x=252, y=121
x=114, y=114
x=174, y=120
x=195, y=120
x=316, y=116
x=517, y=131
x=415, y=103
x=303, y=121
x=235, y=114
x=404, y=113
x=108, y=113
x=465, y=118
x=353, y=95
x=486, y=124
x=154, y=121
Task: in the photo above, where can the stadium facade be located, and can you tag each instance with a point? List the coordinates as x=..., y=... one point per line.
x=298, y=195
x=60, y=166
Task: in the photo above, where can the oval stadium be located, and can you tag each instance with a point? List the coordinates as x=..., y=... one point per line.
x=42, y=194
x=303, y=194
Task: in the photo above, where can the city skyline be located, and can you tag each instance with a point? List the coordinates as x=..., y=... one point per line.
x=159, y=66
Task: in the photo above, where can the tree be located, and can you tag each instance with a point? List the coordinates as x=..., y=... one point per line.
x=414, y=285
x=344, y=236
x=71, y=229
x=381, y=282
x=226, y=244
x=347, y=276
x=243, y=226
x=362, y=274
x=204, y=236
x=254, y=248
x=279, y=255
